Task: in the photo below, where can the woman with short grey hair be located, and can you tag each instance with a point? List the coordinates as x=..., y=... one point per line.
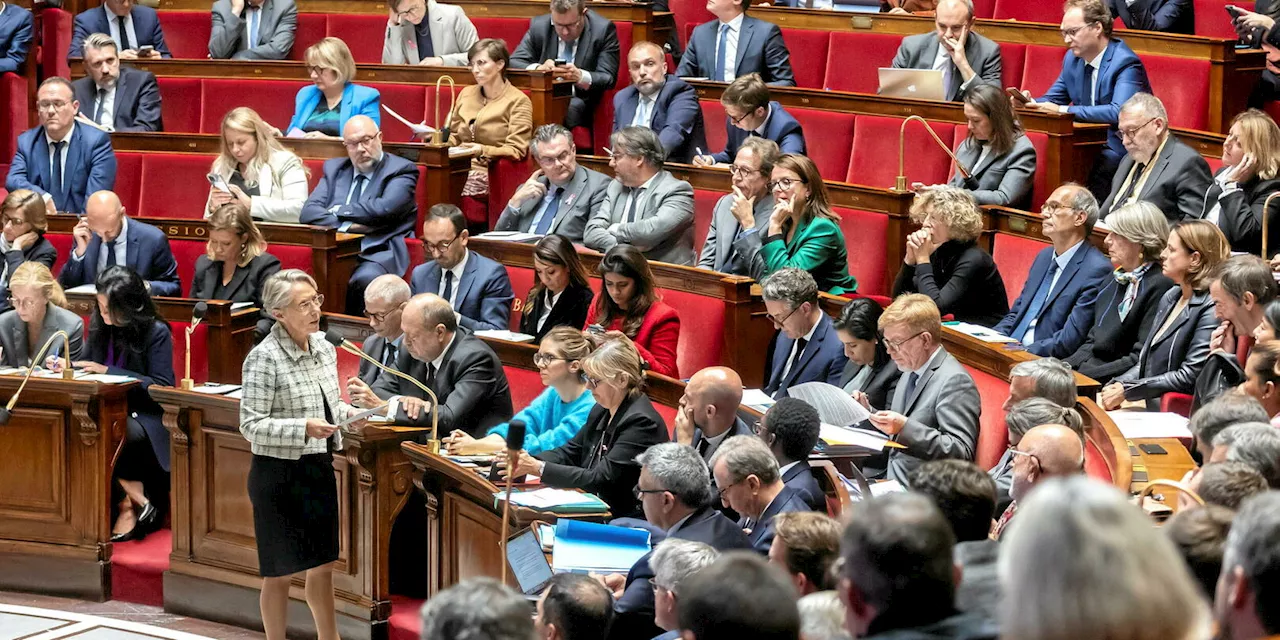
x=1018, y=420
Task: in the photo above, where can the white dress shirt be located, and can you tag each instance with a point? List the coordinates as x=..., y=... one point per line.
x=730, y=47
x=457, y=278
x=106, y=96
x=549, y=302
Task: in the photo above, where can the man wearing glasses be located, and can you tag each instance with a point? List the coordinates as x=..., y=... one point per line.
x=371, y=193
x=740, y=220
x=1047, y=451
x=428, y=33
x=1099, y=74
x=575, y=44
x=560, y=196
x=807, y=348
x=384, y=302
x=253, y=29
x=750, y=113
x=477, y=288
x=1159, y=167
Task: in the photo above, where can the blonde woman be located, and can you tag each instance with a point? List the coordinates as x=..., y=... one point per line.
x=269, y=180
x=236, y=262
x=24, y=216
x=322, y=109
x=1250, y=173
x=943, y=261
x=39, y=310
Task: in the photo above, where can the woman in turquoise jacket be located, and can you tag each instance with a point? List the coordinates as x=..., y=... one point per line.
x=803, y=231
x=558, y=413
x=323, y=108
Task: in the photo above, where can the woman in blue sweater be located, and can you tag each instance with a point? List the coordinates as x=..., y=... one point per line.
x=556, y=415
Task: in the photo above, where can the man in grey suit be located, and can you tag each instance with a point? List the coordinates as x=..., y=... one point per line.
x=935, y=408
x=560, y=196
x=645, y=206
x=965, y=58
x=384, y=302
x=1158, y=168
x=253, y=29
x=428, y=33
x=740, y=219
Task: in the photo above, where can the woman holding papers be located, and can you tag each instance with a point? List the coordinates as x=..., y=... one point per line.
x=322, y=109
x=256, y=171
x=39, y=311
x=236, y=263
x=561, y=296
x=288, y=412
x=25, y=223
x=871, y=373
x=629, y=303
x=601, y=459
x=558, y=413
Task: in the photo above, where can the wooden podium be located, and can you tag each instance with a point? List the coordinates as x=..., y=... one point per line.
x=213, y=572
x=55, y=491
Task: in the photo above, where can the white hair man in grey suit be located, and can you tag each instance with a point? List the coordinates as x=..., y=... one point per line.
x=428, y=33
x=935, y=408
x=740, y=219
x=965, y=58
x=560, y=196
x=253, y=29
x=645, y=206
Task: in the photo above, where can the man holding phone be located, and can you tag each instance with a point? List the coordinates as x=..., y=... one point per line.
x=576, y=44
x=965, y=58
x=117, y=98
x=136, y=30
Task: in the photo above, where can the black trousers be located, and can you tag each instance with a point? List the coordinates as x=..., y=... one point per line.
x=137, y=462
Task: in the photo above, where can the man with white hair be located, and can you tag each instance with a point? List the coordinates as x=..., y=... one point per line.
x=1256, y=444
x=749, y=482
x=384, y=302
x=673, y=561
x=1246, y=603
x=1159, y=168
x=1047, y=451
x=1048, y=378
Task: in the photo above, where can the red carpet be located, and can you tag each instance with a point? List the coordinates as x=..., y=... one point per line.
x=405, y=622
x=137, y=568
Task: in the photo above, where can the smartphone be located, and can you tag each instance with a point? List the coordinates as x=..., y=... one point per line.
x=218, y=183
x=560, y=62
x=595, y=329
x=1234, y=11
x=145, y=50
x=1017, y=95
x=1153, y=449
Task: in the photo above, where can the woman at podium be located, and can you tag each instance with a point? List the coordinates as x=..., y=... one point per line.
x=39, y=311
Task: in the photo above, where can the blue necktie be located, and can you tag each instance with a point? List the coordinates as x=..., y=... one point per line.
x=253, y=27
x=59, y=195
x=718, y=72
x=357, y=190
x=1037, y=302
x=543, y=224
x=912, y=381
x=1088, y=86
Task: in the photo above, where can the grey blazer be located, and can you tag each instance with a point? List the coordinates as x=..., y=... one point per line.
x=942, y=416
x=663, y=229
x=452, y=34
x=276, y=30
x=13, y=335
x=1177, y=184
x=1002, y=180
x=919, y=52
x=724, y=251
x=584, y=194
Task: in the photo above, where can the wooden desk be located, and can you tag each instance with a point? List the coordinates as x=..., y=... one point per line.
x=213, y=572
x=55, y=525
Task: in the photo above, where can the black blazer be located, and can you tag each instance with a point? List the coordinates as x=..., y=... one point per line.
x=601, y=459
x=42, y=251
x=761, y=535
x=879, y=388
x=1241, y=216
x=151, y=363
x=471, y=386
x=963, y=281
x=1172, y=363
x=1176, y=186
x=246, y=283
x=800, y=478
x=570, y=311
x=1113, y=344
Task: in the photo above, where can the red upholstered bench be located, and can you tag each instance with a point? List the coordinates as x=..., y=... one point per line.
x=1182, y=84
x=874, y=160
x=714, y=122
x=1040, y=188
x=348, y=367
x=1212, y=19
x=55, y=41
x=174, y=185
x=525, y=385
x=808, y=49
x=187, y=33
x=14, y=103
x=63, y=243
x=417, y=255
x=704, y=205
x=828, y=137
x=362, y=33
x=181, y=104
x=509, y=30
x=701, y=325
x=603, y=122
x=688, y=14
x=984, y=8
x=1033, y=11
x=272, y=99
x=186, y=252
x=1013, y=256
x=129, y=181
x=875, y=50
x=866, y=258
x=1012, y=58
x=310, y=30
x=522, y=280
x=993, y=437
x=1042, y=66
x=407, y=100
x=199, y=346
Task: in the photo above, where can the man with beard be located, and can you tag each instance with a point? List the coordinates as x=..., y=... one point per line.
x=116, y=98
x=660, y=101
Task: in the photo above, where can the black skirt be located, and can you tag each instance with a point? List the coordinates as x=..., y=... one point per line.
x=295, y=513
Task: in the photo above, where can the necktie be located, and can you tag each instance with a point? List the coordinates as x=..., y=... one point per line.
x=795, y=358
x=631, y=208
x=102, y=101
x=253, y=26
x=125, y=45
x=944, y=65
x=912, y=380
x=59, y=195
x=703, y=445
x=358, y=189
x=448, y=287
x=389, y=354
x=1088, y=85
x=543, y=224
x=1037, y=302
x=1131, y=189
x=718, y=73
x=431, y=376
x=642, y=112
x=113, y=259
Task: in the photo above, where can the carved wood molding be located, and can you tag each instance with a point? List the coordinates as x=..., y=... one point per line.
x=87, y=425
x=177, y=422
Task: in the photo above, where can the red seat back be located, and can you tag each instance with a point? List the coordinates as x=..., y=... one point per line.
x=174, y=185
x=701, y=328
x=602, y=125
x=310, y=30
x=668, y=416
x=505, y=177
x=522, y=279
x=180, y=104
x=129, y=181
x=713, y=116
x=315, y=171
x=509, y=30
x=1040, y=188
x=1188, y=80
x=362, y=33
x=1041, y=68
x=1033, y=11
x=185, y=252
x=875, y=146
x=14, y=103
x=525, y=385
x=832, y=136
x=704, y=206
x=187, y=33
x=1212, y=19
x=874, y=50
x=688, y=14
x=199, y=350
x=993, y=437
x=55, y=34
x=1214, y=163
x=407, y=100
x=272, y=99
x=348, y=367
x=63, y=243
x=808, y=49
x=1012, y=57
x=1095, y=464
x=293, y=256
x=864, y=234
x=984, y=8
x=417, y=255
x=1013, y=256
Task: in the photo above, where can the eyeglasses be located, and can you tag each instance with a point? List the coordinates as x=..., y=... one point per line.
x=417, y=8
x=563, y=158
x=593, y=382
x=895, y=346
x=1029, y=456
x=52, y=105
x=9, y=220
x=316, y=69
x=1051, y=207
x=1068, y=34
x=639, y=493
x=382, y=317
x=441, y=247
x=784, y=184
x=738, y=120
x=567, y=25
x=314, y=303
x=543, y=359
x=355, y=144
x=1133, y=132
x=784, y=319
x=721, y=490
x=742, y=171
x=24, y=303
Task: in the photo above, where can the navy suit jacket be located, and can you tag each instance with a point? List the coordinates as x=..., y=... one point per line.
x=1067, y=313
x=89, y=166
x=800, y=477
x=760, y=50
x=823, y=360
x=146, y=25
x=483, y=296
x=147, y=252
x=781, y=127
x=387, y=207
x=677, y=117
x=137, y=102
x=788, y=500
x=1120, y=76
x=1170, y=16
x=15, y=37
x=151, y=364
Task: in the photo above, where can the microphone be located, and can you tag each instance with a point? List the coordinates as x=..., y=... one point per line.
x=515, y=442
x=6, y=412
x=197, y=315
x=334, y=337
x=901, y=182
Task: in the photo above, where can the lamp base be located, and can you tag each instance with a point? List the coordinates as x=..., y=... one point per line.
x=900, y=183
x=433, y=446
x=188, y=384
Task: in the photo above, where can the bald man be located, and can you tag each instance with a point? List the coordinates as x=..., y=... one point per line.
x=709, y=410
x=106, y=237
x=371, y=193
x=966, y=59
x=660, y=101
x=464, y=373
x=1046, y=451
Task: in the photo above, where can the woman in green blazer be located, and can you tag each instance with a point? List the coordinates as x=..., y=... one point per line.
x=803, y=231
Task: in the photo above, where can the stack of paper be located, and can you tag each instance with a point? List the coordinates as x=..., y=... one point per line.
x=977, y=331
x=757, y=399
x=834, y=437
x=834, y=405
x=510, y=236
x=587, y=547
x=105, y=378
x=1150, y=424
x=554, y=501
x=503, y=334
x=215, y=389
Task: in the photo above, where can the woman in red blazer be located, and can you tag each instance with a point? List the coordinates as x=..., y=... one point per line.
x=630, y=304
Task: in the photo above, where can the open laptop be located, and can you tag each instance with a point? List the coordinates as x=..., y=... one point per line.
x=528, y=564
x=921, y=84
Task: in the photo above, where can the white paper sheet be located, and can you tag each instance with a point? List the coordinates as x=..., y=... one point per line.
x=980, y=332
x=1150, y=424
x=834, y=405
x=757, y=399
x=836, y=436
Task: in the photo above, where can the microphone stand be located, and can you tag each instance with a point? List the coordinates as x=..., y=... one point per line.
x=901, y=183
x=434, y=443
x=67, y=373
x=201, y=308
x=515, y=442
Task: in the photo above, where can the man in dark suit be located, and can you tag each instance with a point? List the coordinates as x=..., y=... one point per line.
x=1159, y=168
x=368, y=192
x=734, y=45
x=132, y=27
x=807, y=348
x=966, y=496
x=1055, y=309
x=128, y=242
x=15, y=37
x=59, y=158
x=806, y=544
x=740, y=219
x=965, y=58
x=117, y=98
x=253, y=29
x=1170, y=16
x=384, y=302
x=560, y=196
x=790, y=428
x=1099, y=74
x=708, y=412
x=478, y=288
x=587, y=46
x=660, y=101
x=673, y=561
x=463, y=372
x=747, y=478
x=750, y=113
